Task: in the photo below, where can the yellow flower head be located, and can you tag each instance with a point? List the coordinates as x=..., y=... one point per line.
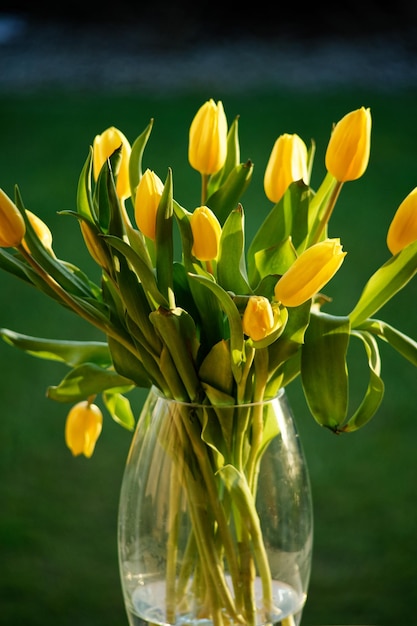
x=41, y=229
x=207, y=147
x=12, y=224
x=403, y=228
x=104, y=146
x=83, y=428
x=206, y=232
x=309, y=273
x=148, y=197
x=349, y=146
x=287, y=163
x=258, y=319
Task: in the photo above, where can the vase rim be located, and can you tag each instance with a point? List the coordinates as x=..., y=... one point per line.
x=157, y=392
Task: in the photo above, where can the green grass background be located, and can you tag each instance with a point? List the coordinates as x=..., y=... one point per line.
x=58, y=514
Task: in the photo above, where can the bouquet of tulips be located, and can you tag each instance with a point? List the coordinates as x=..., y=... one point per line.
x=228, y=322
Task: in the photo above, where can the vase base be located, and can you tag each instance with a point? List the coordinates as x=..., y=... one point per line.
x=147, y=607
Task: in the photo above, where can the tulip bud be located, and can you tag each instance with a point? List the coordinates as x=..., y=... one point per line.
x=104, y=146
x=42, y=231
x=287, y=163
x=403, y=228
x=349, y=146
x=83, y=428
x=206, y=232
x=148, y=197
x=207, y=148
x=12, y=224
x=258, y=318
x=95, y=247
x=309, y=272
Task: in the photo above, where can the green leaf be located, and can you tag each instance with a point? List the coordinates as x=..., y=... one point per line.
x=177, y=330
x=227, y=197
x=72, y=353
x=287, y=218
x=385, y=283
x=84, y=381
x=232, y=159
x=132, y=367
x=215, y=370
x=85, y=203
x=375, y=390
x=135, y=160
x=119, y=408
x=403, y=344
x=143, y=270
x=231, y=269
x=235, y=323
x=324, y=372
x=164, y=244
x=275, y=260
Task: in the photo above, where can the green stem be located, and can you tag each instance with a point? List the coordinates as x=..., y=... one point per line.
x=323, y=221
x=204, y=183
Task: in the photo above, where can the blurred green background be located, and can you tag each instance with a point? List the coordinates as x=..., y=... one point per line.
x=58, y=514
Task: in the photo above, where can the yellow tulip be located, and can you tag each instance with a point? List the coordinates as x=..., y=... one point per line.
x=12, y=224
x=83, y=427
x=95, y=247
x=41, y=229
x=206, y=232
x=287, y=163
x=309, y=272
x=148, y=197
x=104, y=146
x=207, y=147
x=349, y=146
x=403, y=228
x=258, y=319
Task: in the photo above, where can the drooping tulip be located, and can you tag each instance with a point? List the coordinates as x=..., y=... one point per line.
x=309, y=273
x=206, y=232
x=104, y=146
x=83, y=427
x=348, y=150
x=403, y=228
x=148, y=197
x=12, y=224
x=287, y=163
x=207, y=148
x=258, y=318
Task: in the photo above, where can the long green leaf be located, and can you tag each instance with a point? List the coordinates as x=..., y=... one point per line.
x=135, y=160
x=385, y=283
x=231, y=269
x=72, y=353
x=84, y=381
x=375, y=389
x=324, y=371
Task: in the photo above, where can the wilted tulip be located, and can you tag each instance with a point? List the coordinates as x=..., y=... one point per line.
x=258, y=318
x=41, y=229
x=12, y=224
x=349, y=146
x=309, y=272
x=206, y=232
x=104, y=146
x=148, y=197
x=403, y=228
x=287, y=163
x=83, y=428
x=207, y=147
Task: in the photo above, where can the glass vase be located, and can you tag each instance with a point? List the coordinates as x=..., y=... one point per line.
x=215, y=517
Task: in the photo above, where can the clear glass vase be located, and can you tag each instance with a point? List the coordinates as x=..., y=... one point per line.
x=215, y=517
